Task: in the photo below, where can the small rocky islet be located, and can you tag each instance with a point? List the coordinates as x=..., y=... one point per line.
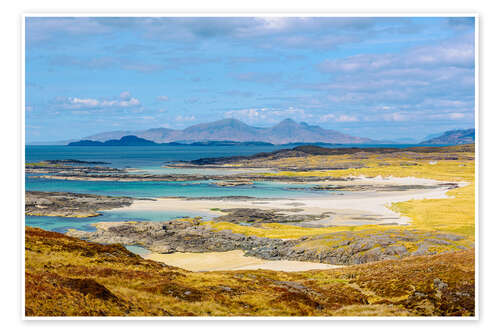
x=66, y=204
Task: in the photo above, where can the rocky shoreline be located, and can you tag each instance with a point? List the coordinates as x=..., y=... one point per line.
x=339, y=248
x=71, y=167
x=68, y=171
x=66, y=204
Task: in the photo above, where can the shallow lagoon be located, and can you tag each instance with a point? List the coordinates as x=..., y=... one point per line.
x=62, y=224
x=151, y=160
x=153, y=189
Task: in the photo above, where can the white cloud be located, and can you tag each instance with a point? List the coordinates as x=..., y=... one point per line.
x=346, y=118
x=246, y=113
x=125, y=95
x=458, y=52
x=131, y=102
x=109, y=103
x=435, y=81
x=456, y=115
x=162, y=98
x=396, y=116
x=184, y=118
x=254, y=115
x=343, y=118
x=125, y=101
x=84, y=101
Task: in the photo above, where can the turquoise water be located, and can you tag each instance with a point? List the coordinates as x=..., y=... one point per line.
x=150, y=159
x=137, y=250
x=62, y=224
x=194, y=171
x=163, y=189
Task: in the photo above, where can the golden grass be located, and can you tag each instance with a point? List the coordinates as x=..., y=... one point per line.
x=455, y=215
x=283, y=231
x=66, y=276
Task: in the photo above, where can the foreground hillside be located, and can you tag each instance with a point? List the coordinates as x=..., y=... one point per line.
x=66, y=276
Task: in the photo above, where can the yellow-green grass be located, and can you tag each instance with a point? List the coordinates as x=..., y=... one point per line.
x=283, y=231
x=442, y=170
x=43, y=164
x=455, y=214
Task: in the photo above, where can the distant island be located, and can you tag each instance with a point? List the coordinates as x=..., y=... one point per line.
x=455, y=137
x=233, y=130
x=129, y=140
x=132, y=140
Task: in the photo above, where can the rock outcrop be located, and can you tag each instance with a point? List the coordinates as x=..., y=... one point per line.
x=339, y=248
x=67, y=204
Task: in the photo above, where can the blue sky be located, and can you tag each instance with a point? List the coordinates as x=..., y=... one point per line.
x=382, y=78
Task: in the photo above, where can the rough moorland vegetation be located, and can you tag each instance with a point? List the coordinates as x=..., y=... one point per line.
x=66, y=276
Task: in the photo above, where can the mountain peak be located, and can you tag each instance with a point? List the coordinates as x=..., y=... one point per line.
x=454, y=137
x=287, y=121
x=232, y=129
x=229, y=122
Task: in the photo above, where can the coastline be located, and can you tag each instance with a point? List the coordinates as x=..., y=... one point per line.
x=231, y=261
x=346, y=208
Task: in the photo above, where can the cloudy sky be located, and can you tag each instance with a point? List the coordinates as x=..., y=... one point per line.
x=382, y=78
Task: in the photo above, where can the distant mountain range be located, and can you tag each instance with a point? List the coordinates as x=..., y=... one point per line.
x=455, y=137
x=132, y=140
x=287, y=131
x=230, y=132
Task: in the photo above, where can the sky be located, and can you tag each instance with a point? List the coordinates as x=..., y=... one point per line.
x=375, y=77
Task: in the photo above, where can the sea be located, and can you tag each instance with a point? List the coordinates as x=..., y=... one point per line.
x=151, y=159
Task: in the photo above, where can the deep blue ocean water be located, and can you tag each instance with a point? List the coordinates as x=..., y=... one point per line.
x=138, y=157
x=154, y=156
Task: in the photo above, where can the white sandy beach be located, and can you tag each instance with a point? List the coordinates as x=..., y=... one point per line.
x=231, y=261
x=349, y=208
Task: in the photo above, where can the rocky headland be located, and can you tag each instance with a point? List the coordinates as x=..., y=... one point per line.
x=67, y=204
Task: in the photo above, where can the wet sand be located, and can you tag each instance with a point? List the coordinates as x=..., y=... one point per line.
x=231, y=261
